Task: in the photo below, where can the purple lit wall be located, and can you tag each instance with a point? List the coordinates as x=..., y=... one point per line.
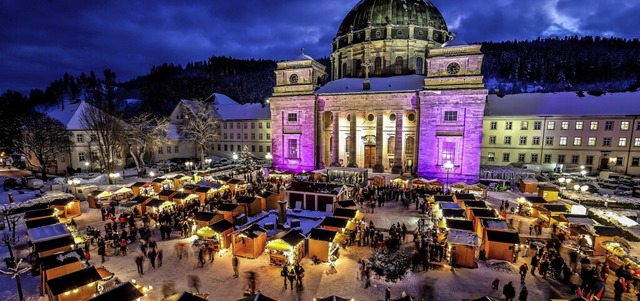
x=284, y=132
x=459, y=141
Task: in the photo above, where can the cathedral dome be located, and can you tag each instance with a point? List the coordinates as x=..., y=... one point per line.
x=377, y=13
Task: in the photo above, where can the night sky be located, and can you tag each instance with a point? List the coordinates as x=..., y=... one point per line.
x=40, y=40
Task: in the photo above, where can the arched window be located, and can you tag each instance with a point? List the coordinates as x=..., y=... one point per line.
x=359, y=69
x=344, y=70
x=377, y=69
x=409, y=145
x=391, y=145
x=399, y=65
x=418, y=65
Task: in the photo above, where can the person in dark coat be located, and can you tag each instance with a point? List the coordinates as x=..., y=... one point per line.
x=534, y=264
x=139, y=262
x=509, y=291
x=291, y=275
x=524, y=293
x=284, y=273
x=619, y=287
x=387, y=294
x=152, y=257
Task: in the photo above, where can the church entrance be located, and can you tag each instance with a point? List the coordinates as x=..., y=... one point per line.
x=369, y=156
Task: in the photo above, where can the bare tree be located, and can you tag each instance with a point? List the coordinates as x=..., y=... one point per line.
x=201, y=124
x=42, y=139
x=14, y=272
x=144, y=133
x=110, y=137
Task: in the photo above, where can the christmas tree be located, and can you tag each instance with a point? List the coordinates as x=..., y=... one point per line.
x=392, y=265
x=246, y=162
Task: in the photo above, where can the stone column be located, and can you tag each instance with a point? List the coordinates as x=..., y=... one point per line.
x=319, y=138
x=397, y=160
x=379, y=167
x=335, y=156
x=352, y=138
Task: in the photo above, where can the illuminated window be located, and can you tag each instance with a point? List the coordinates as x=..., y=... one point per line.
x=293, y=148
x=563, y=140
x=524, y=125
x=564, y=125
x=622, y=141
x=551, y=125
x=636, y=142
x=491, y=157
x=593, y=126
x=577, y=141
x=579, y=125
x=624, y=125
x=448, y=152
x=591, y=141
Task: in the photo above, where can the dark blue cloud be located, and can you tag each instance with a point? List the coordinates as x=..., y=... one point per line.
x=41, y=40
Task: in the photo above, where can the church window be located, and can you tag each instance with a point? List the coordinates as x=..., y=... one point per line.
x=419, y=65
x=448, y=152
x=344, y=69
x=392, y=117
x=359, y=69
x=409, y=146
x=451, y=116
x=370, y=117
x=377, y=69
x=292, y=117
x=391, y=145
x=293, y=148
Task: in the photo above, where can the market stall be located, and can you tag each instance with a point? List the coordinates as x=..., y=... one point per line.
x=237, y=185
x=167, y=195
x=160, y=184
x=66, y=209
x=190, y=188
x=42, y=222
x=206, y=193
x=127, y=207
x=602, y=234
x=121, y=194
x=268, y=200
x=32, y=215
x=528, y=206
x=482, y=224
x=285, y=176
x=249, y=242
x=231, y=211
x=156, y=206
x=142, y=188
x=77, y=285
x=98, y=197
x=253, y=205
x=334, y=223
x=47, y=232
x=462, y=197
x=462, y=248
x=222, y=229
x=528, y=185
x=49, y=247
x=180, y=180
x=377, y=181
x=125, y=291
x=286, y=248
x=501, y=244
x=549, y=193
x=552, y=213
x=442, y=198
x=400, y=182
x=315, y=196
x=346, y=204
x=140, y=200
x=183, y=198
x=205, y=218
x=81, y=192
x=458, y=187
x=479, y=190
x=322, y=244
x=458, y=224
x=474, y=204
x=56, y=265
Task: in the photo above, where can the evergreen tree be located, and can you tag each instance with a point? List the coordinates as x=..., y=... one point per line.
x=392, y=265
x=246, y=162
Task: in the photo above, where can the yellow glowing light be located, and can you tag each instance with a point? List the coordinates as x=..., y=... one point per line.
x=67, y=293
x=75, y=290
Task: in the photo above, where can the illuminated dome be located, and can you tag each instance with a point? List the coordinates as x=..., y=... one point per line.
x=393, y=35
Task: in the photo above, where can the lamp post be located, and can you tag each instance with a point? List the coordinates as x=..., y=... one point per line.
x=188, y=164
x=208, y=162
x=114, y=176
x=234, y=157
x=86, y=165
x=269, y=157
x=448, y=166
x=152, y=174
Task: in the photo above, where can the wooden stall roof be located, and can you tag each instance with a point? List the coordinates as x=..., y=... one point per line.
x=459, y=237
x=443, y=198
x=60, y=259
x=291, y=237
x=122, y=292
x=246, y=199
x=221, y=226
x=322, y=234
x=236, y=181
x=336, y=222
x=449, y=205
x=184, y=296
x=39, y=213
x=204, y=216
x=556, y=208
x=160, y=180
x=183, y=195
x=62, y=202
x=459, y=224
x=607, y=231
x=548, y=188
x=155, y=203
x=266, y=194
x=347, y=203
x=167, y=192
x=579, y=219
x=494, y=223
x=258, y=297
x=180, y=176
x=535, y=200
x=344, y=212
x=320, y=188
x=54, y=243
x=73, y=280
x=140, y=184
x=476, y=204
x=48, y=232
x=253, y=231
x=503, y=236
x=454, y=213
x=42, y=222
x=465, y=196
x=207, y=184
x=224, y=179
x=482, y=212
x=227, y=207
x=140, y=199
x=99, y=193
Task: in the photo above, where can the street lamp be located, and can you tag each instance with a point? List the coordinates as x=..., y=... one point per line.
x=447, y=166
x=576, y=187
x=207, y=161
x=188, y=164
x=584, y=188
x=152, y=174
x=269, y=157
x=583, y=172
x=234, y=157
x=114, y=176
x=86, y=165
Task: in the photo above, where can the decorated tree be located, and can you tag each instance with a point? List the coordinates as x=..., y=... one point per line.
x=390, y=265
x=201, y=124
x=246, y=162
x=146, y=132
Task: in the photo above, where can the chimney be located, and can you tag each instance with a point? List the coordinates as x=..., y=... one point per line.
x=10, y=197
x=282, y=213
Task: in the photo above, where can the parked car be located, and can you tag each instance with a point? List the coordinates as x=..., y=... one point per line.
x=623, y=190
x=31, y=182
x=12, y=184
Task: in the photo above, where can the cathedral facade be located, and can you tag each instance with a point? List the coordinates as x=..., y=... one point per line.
x=404, y=96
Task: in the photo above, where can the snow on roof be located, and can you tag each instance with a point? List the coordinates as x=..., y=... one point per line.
x=69, y=113
x=47, y=232
x=229, y=109
x=460, y=237
x=565, y=103
x=411, y=82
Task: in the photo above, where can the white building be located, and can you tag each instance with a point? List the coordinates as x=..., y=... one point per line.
x=560, y=129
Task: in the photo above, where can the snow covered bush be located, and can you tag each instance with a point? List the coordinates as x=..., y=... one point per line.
x=390, y=265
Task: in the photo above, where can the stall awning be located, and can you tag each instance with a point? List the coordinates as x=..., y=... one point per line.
x=279, y=245
x=205, y=232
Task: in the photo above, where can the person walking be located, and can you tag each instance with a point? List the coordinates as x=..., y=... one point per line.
x=101, y=248
x=123, y=247
x=299, y=273
x=534, y=264
x=159, y=258
x=495, y=284
x=524, y=293
x=284, y=273
x=619, y=287
x=291, y=275
x=234, y=263
x=387, y=294
x=139, y=262
x=523, y=272
x=201, y=252
x=509, y=291
x=194, y=282
x=152, y=257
